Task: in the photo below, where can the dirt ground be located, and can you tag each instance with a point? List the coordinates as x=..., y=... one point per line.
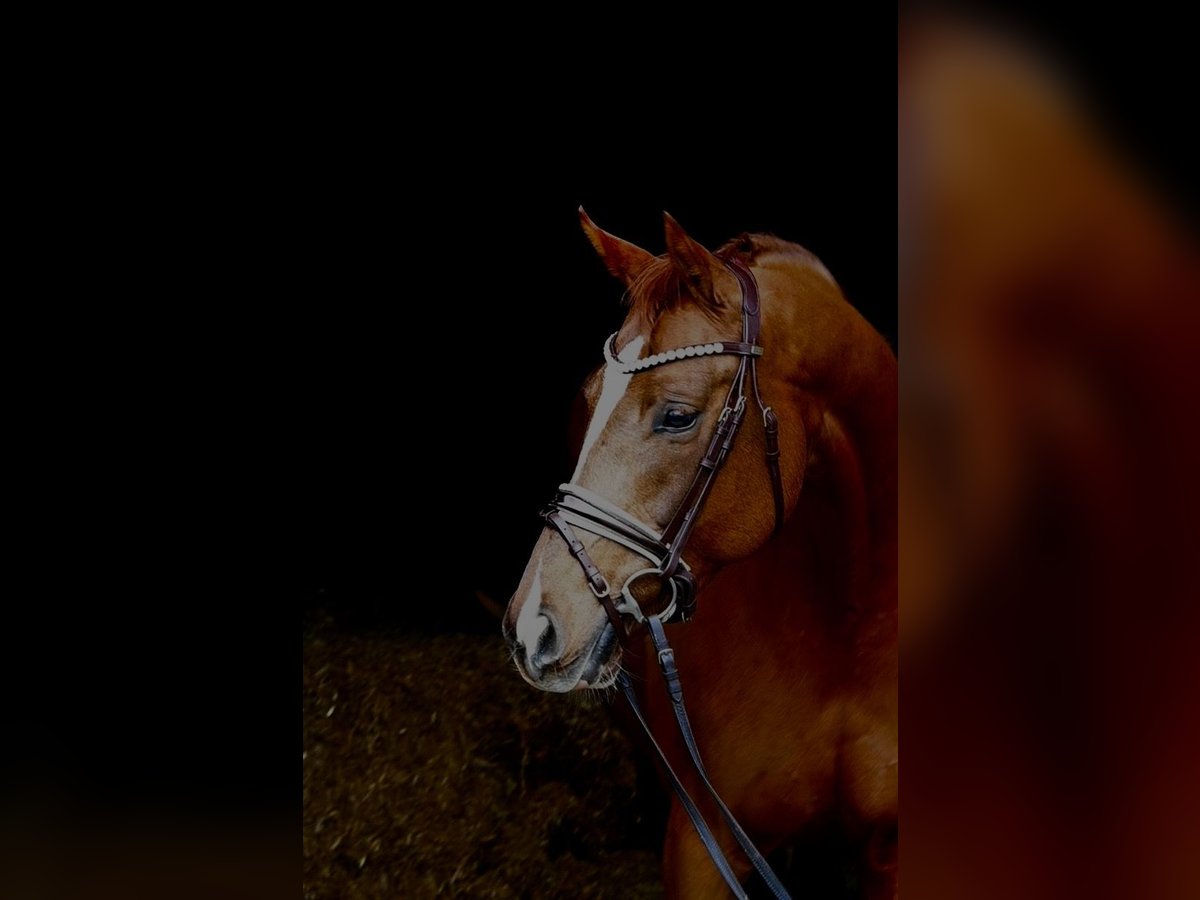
x=432, y=770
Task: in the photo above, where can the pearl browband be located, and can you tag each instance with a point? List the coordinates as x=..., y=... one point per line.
x=738, y=348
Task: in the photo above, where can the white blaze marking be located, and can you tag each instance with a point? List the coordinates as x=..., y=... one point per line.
x=530, y=621
x=612, y=389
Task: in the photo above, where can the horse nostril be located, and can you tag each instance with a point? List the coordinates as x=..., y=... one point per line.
x=547, y=645
x=546, y=650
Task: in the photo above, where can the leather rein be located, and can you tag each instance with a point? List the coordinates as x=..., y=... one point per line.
x=577, y=507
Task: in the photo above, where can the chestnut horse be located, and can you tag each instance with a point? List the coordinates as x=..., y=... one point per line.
x=790, y=661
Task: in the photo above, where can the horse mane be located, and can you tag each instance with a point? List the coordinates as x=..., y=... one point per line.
x=661, y=287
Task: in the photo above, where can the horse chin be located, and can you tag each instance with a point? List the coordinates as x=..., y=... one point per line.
x=604, y=678
x=602, y=664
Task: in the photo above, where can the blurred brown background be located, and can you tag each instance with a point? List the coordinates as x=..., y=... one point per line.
x=1049, y=308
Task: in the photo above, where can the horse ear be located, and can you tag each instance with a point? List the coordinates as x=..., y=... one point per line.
x=699, y=268
x=623, y=259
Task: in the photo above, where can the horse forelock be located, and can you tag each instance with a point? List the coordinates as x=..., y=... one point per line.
x=660, y=287
x=657, y=289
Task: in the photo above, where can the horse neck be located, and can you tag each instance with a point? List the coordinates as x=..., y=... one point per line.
x=853, y=471
x=845, y=519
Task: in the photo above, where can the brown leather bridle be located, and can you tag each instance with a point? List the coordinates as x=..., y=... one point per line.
x=577, y=507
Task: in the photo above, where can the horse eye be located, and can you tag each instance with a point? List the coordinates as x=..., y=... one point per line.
x=678, y=420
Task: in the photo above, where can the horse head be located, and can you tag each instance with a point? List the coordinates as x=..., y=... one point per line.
x=650, y=426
